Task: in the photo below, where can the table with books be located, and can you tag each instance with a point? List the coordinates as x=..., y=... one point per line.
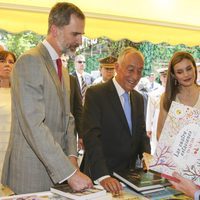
x=127, y=194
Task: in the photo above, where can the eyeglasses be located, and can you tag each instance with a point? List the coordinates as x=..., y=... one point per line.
x=7, y=61
x=80, y=61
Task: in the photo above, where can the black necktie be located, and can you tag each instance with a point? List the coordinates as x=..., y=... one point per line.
x=83, y=87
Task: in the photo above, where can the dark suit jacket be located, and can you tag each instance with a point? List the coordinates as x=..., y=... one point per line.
x=109, y=146
x=76, y=107
x=88, y=79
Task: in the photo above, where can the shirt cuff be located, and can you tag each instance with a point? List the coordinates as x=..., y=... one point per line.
x=197, y=195
x=73, y=156
x=101, y=179
x=68, y=177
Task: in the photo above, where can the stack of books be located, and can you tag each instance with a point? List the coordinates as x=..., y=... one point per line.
x=141, y=181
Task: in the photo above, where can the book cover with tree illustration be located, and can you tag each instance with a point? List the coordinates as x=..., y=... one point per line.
x=178, y=148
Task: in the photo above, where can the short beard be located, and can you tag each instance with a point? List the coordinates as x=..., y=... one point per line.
x=65, y=50
x=68, y=52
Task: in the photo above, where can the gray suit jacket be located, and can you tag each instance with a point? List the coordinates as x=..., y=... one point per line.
x=42, y=128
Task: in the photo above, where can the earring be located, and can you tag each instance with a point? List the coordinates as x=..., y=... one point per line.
x=175, y=82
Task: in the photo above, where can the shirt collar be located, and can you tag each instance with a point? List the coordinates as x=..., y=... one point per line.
x=79, y=75
x=120, y=90
x=50, y=49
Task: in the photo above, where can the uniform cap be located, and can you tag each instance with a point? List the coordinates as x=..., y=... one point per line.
x=108, y=61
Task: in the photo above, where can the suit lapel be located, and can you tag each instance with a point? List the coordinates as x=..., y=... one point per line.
x=133, y=111
x=50, y=67
x=66, y=87
x=75, y=74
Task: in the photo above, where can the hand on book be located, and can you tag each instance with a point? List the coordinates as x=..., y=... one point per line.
x=79, y=181
x=184, y=185
x=111, y=185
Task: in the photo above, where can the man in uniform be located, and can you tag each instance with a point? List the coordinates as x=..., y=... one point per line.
x=107, y=69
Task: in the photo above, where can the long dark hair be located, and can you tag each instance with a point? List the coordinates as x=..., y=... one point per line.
x=172, y=88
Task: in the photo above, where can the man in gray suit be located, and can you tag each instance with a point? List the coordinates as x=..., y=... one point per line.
x=42, y=147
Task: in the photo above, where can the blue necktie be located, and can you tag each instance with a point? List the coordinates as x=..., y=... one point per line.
x=127, y=109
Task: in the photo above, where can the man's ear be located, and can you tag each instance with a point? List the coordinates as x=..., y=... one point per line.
x=54, y=30
x=116, y=66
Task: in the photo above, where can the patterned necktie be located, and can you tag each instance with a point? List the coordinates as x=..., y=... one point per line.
x=59, y=67
x=83, y=87
x=127, y=109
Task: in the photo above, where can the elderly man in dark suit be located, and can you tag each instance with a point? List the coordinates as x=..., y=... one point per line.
x=113, y=122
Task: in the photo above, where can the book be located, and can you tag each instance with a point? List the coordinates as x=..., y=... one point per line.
x=166, y=193
x=147, y=160
x=178, y=148
x=66, y=191
x=141, y=181
x=5, y=191
x=30, y=196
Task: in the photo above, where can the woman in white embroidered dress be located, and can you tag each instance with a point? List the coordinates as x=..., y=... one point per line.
x=181, y=87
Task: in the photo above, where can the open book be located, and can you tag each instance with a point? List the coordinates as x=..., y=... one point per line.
x=66, y=191
x=178, y=148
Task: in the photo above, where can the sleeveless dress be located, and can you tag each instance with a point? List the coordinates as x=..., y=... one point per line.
x=197, y=105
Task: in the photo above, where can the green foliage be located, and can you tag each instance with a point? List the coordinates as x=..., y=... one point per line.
x=156, y=55
x=115, y=47
x=92, y=62
x=21, y=42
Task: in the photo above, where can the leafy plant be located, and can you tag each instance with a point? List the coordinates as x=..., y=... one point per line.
x=156, y=55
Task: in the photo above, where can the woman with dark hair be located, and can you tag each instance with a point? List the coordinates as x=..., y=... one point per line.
x=181, y=86
x=7, y=59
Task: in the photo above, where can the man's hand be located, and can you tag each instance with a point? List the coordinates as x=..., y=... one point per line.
x=80, y=144
x=111, y=185
x=149, y=134
x=79, y=181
